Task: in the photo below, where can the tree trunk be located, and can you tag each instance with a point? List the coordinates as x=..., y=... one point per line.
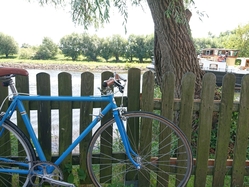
x=174, y=49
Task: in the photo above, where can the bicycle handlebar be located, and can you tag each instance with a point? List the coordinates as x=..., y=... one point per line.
x=115, y=81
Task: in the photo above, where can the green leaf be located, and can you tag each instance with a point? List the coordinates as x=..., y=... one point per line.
x=70, y=178
x=81, y=174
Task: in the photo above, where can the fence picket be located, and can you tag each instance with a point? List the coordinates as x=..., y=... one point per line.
x=44, y=109
x=185, y=122
x=167, y=101
x=223, y=134
x=167, y=104
x=241, y=141
x=65, y=120
x=146, y=130
x=107, y=136
x=86, y=108
x=205, y=124
x=5, y=142
x=133, y=93
x=22, y=85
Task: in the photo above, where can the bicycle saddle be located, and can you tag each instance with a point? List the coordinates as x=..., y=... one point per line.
x=13, y=71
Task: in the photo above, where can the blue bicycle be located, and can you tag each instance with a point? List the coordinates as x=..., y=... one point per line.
x=116, y=156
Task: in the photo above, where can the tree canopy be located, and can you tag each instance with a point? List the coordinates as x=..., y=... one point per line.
x=7, y=45
x=47, y=50
x=237, y=38
x=173, y=47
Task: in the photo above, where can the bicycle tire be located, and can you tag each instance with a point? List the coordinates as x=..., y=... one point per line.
x=15, y=145
x=164, y=153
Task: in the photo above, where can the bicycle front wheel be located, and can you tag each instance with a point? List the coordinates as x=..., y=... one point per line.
x=16, y=153
x=161, y=149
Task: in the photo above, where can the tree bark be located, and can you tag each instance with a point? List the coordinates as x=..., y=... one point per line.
x=174, y=49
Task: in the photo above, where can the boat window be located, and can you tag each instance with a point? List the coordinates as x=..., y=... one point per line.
x=213, y=66
x=238, y=62
x=247, y=63
x=201, y=65
x=235, y=53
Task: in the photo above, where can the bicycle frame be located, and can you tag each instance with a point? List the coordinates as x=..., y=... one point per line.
x=17, y=104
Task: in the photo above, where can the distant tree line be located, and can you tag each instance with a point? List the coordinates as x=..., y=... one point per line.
x=235, y=39
x=138, y=47
x=91, y=47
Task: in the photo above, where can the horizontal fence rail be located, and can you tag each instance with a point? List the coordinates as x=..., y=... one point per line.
x=220, y=156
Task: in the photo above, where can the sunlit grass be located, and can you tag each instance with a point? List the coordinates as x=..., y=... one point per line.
x=123, y=65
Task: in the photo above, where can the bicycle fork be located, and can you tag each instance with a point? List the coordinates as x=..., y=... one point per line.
x=128, y=149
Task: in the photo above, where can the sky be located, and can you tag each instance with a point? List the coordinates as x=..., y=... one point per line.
x=27, y=22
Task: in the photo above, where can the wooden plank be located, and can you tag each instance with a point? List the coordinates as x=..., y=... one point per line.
x=185, y=119
x=133, y=93
x=167, y=89
x=133, y=89
x=147, y=91
x=167, y=101
x=204, y=131
x=223, y=134
x=5, y=137
x=22, y=85
x=86, y=108
x=44, y=114
x=146, y=124
x=104, y=147
x=241, y=141
x=65, y=120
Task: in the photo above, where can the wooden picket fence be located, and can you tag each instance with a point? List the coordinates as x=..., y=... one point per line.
x=217, y=168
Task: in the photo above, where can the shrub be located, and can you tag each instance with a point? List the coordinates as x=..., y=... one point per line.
x=26, y=53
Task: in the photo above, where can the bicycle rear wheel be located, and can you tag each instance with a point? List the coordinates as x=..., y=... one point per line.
x=163, y=152
x=16, y=152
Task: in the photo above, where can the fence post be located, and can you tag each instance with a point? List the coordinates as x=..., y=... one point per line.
x=241, y=140
x=86, y=108
x=44, y=114
x=205, y=125
x=223, y=134
x=187, y=104
x=167, y=110
x=147, y=101
x=105, y=149
x=186, y=113
x=167, y=101
x=133, y=89
x=146, y=130
x=65, y=120
x=5, y=137
x=22, y=85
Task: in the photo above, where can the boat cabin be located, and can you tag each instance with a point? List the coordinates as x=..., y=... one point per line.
x=220, y=55
x=243, y=63
x=216, y=59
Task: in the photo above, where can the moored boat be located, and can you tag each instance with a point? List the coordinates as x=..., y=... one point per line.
x=222, y=61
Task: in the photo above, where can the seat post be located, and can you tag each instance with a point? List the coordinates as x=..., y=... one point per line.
x=12, y=87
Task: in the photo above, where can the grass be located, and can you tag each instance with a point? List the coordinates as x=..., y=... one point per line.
x=60, y=61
